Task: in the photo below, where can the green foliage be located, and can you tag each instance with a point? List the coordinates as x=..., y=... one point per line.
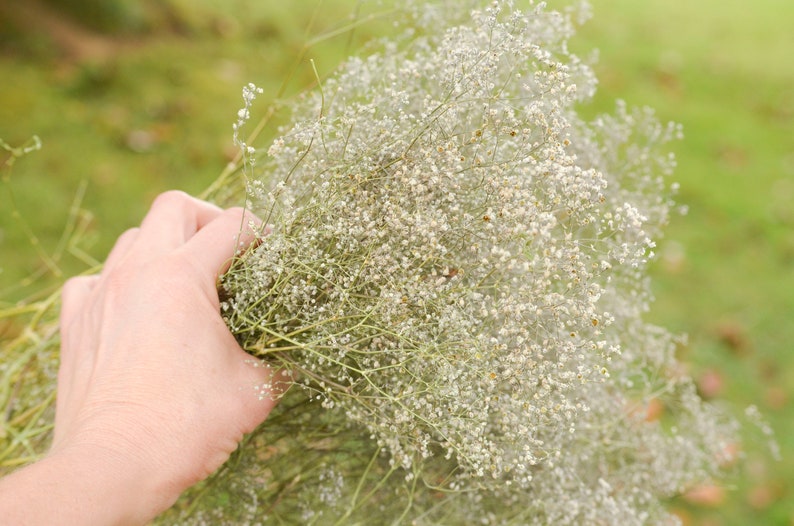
x=102, y=15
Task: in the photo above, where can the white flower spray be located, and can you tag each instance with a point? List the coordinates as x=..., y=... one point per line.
x=456, y=278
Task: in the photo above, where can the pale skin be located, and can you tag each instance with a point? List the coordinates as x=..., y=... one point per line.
x=154, y=393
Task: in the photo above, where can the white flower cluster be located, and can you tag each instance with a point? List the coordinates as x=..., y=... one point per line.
x=456, y=269
x=249, y=94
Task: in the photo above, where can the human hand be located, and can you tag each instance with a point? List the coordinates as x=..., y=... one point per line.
x=154, y=393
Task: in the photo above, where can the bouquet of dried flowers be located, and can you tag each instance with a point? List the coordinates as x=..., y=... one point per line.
x=456, y=277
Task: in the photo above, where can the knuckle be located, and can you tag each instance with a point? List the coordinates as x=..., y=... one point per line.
x=171, y=198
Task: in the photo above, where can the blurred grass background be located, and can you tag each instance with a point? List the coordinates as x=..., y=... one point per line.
x=131, y=98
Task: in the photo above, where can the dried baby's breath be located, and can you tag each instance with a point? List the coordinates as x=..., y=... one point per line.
x=456, y=277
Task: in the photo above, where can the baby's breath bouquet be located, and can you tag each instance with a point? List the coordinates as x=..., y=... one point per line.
x=455, y=276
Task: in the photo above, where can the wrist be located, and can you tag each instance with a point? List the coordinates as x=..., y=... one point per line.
x=74, y=486
x=120, y=491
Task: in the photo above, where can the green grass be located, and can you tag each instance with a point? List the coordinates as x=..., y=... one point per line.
x=721, y=68
x=178, y=95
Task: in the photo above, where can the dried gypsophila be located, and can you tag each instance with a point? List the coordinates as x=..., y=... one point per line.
x=457, y=267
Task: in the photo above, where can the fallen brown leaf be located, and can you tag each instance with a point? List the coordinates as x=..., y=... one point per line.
x=707, y=495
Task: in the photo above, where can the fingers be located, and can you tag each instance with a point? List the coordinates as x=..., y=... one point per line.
x=74, y=295
x=75, y=301
x=173, y=219
x=120, y=249
x=213, y=247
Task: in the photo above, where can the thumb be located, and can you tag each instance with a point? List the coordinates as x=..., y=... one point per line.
x=266, y=385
